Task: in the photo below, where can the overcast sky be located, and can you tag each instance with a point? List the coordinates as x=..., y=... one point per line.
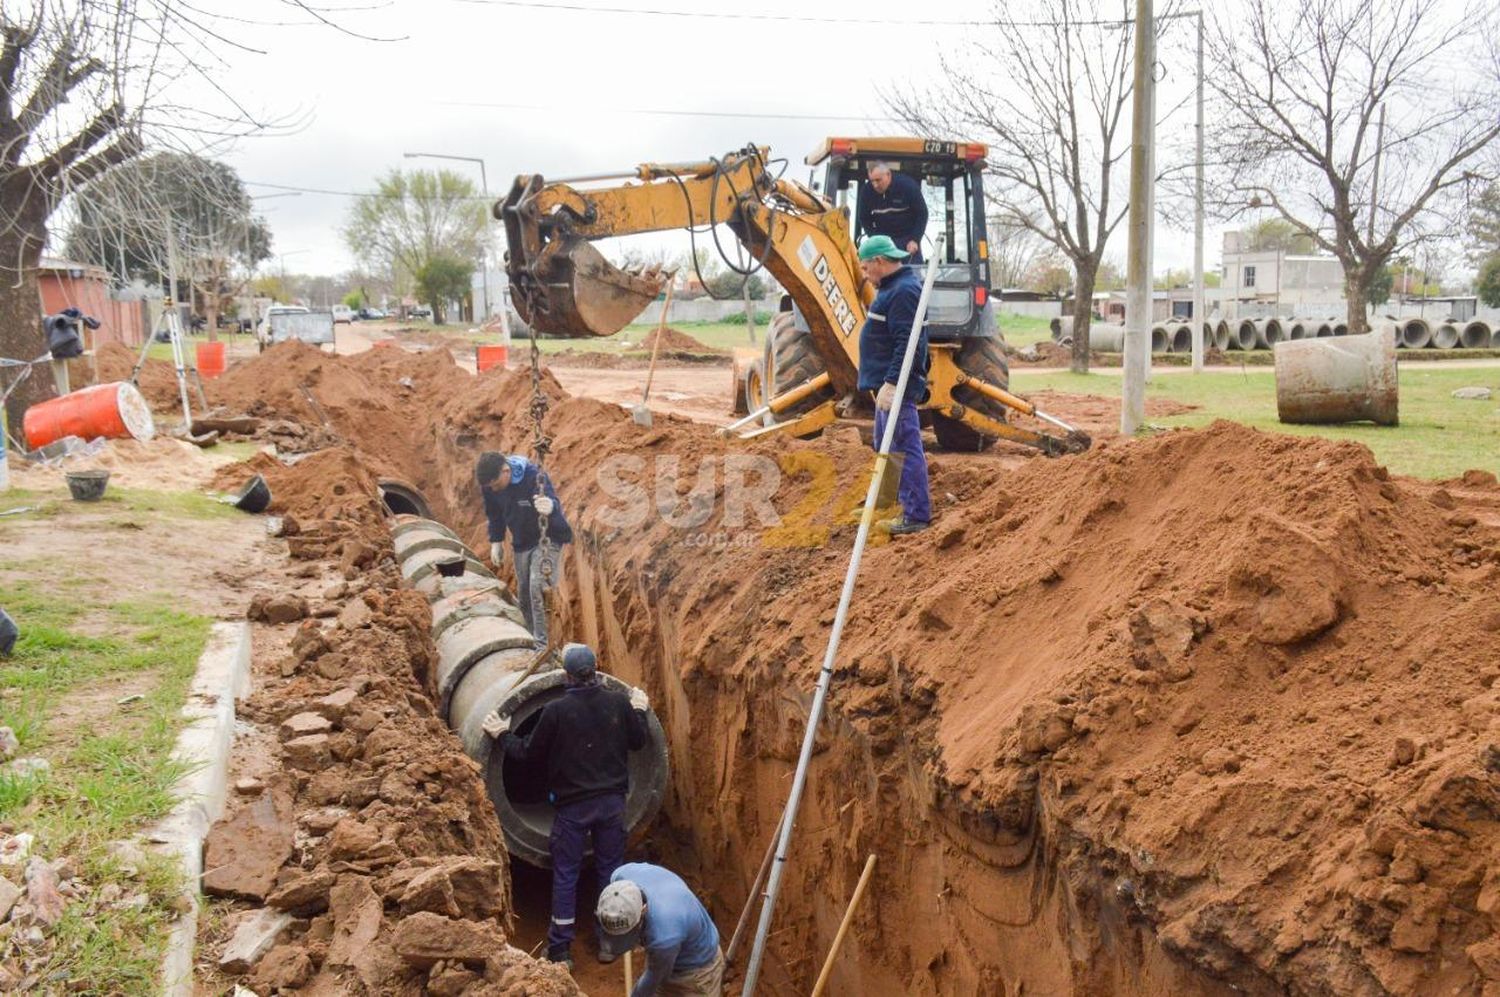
x=439, y=87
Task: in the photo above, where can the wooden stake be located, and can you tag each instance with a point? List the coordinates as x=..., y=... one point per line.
x=661, y=331
x=838, y=939
x=629, y=972
x=760, y=877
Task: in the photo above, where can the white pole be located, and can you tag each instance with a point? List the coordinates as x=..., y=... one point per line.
x=1199, y=308
x=1138, y=265
x=799, y=781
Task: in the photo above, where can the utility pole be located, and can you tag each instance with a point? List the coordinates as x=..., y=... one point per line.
x=1138, y=264
x=1199, y=308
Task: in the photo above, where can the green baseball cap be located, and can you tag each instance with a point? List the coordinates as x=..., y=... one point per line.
x=880, y=245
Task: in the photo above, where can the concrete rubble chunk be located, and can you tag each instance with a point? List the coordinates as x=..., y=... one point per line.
x=244, y=852
x=251, y=935
x=9, y=743
x=1473, y=394
x=355, y=615
x=16, y=848
x=41, y=891
x=336, y=704
x=304, y=724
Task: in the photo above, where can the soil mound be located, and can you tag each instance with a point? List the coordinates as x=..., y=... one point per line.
x=158, y=381
x=676, y=340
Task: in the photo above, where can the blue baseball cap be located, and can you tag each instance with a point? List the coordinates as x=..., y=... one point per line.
x=579, y=661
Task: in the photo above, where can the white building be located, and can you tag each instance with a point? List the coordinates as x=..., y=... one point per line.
x=1273, y=282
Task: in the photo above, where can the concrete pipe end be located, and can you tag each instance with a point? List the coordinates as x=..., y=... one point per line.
x=519, y=794
x=403, y=499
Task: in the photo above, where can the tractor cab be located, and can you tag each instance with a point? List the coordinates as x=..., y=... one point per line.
x=951, y=178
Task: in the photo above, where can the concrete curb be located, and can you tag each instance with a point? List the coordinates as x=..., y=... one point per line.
x=223, y=676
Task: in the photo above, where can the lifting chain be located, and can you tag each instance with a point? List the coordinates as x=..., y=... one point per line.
x=541, y=444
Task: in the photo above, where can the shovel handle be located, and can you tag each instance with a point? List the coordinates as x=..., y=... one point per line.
x=661, y=329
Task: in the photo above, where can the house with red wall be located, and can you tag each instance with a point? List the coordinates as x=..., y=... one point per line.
x=70, y=284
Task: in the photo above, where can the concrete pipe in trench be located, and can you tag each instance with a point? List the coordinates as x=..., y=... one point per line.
x=483, y=651
x=1416, y=334
x=1476, y=335
x=401, y=498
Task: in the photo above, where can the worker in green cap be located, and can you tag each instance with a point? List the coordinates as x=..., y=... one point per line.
x=882, y=348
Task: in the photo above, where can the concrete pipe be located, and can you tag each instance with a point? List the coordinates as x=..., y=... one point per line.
x=413, y=541
x=436, y=587
x=1242, y=335
x=422, y=563
x=1323, y=330
x=1061, y=326
x=1341, y=328
x=1161, y=339
x=1352, y=379
x=1416, y=334
x=1475, y=335
x=1223, y=334
x=1107, y=338
x=1274, y=331
x=483, y=650
x=403, y=523
x=1302, y=328
x=1445, y=336
x=401, y=498
x=1182, y=339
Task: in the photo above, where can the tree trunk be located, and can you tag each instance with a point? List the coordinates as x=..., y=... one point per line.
x=1083, y=314
x=1357, y=297
x=21, y=335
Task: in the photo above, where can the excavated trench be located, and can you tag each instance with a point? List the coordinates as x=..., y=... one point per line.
x=1099, y=742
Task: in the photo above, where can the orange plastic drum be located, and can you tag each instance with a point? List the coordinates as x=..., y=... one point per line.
x=115, y=411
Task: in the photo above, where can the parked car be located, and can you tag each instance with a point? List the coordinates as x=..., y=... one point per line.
x=421, y=311
x=369, y=314
x=342, y=313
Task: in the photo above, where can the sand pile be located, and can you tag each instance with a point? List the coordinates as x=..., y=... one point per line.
x=158, y=382
x=675, y=340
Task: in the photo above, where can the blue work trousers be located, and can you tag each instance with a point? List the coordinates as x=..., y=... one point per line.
x=907, y=453
x=603, y=818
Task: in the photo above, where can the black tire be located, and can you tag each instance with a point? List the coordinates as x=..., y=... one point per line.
x=983, y=357
x=797, y=361
x=748, y=390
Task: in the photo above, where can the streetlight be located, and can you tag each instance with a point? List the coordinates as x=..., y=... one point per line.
x=484, y=187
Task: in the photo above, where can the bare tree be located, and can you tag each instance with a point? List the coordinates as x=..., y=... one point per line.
x=1049, y=96
x=1013, y=251
x=1303, y=86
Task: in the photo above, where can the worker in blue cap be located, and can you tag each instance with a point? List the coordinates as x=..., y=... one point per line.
x=517, y=495
x=584, y=739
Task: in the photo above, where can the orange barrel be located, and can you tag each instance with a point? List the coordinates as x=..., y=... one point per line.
x=490, y=356
x=210, y=359
x=115, y=411
x=388, y=341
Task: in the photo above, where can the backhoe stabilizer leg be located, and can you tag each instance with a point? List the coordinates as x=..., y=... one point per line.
x=806, y=424
x=1076, y=441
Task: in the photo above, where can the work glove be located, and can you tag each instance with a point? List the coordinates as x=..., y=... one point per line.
x=495, y=554
x=544, y=505
x=638, y=700
x=495, y=724
x=886, y=397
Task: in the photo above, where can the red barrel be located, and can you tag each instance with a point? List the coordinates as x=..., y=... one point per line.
x=490, y=356
x=389, y=341
x=210, y=359
x=115, y=410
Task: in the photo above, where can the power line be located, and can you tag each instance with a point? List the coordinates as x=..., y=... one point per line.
x=728, y=16
x=769, y=115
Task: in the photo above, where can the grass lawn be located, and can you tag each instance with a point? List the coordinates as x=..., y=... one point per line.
x=1439, y=436
x=95, y=687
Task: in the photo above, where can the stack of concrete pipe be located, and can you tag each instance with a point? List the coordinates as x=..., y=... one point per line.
x=1421, y=333
x=484, y=650
x=1264, y=333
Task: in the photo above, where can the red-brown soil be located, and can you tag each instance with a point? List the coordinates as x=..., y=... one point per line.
x=1210, y=712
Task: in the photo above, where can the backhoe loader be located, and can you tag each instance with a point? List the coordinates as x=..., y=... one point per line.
x=562, y=285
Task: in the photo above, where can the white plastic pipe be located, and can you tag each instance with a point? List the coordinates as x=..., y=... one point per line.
x=799, y=781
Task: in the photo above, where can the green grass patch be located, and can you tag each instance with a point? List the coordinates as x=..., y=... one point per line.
x=1023, y=330
x=1439, y=436
x=111, y=769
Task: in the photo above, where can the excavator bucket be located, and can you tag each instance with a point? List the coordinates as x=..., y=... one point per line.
x=577, y=292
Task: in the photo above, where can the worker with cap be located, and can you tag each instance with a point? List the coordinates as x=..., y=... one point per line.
x=650, y=906
x=584, y=739
x=514, y=503
x=891, y=203
x=882, y=350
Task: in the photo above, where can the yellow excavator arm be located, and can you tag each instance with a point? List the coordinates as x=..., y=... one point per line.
x=561, y=285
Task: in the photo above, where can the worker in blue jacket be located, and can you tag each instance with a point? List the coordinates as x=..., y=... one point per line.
x=882, y=348
x=891, y=203
x=508, y=485
x=650, y=906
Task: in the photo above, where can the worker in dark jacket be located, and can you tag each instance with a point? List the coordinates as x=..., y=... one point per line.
x=584, y=739
x=891, y=203
x=882, y=349
x=513, y=505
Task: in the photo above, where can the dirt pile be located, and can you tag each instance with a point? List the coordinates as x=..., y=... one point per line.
x=1204, y=711
x=675, y=340
x=158, y=381
x=373, y=861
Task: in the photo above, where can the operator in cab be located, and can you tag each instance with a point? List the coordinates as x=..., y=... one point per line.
x=891, y=204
